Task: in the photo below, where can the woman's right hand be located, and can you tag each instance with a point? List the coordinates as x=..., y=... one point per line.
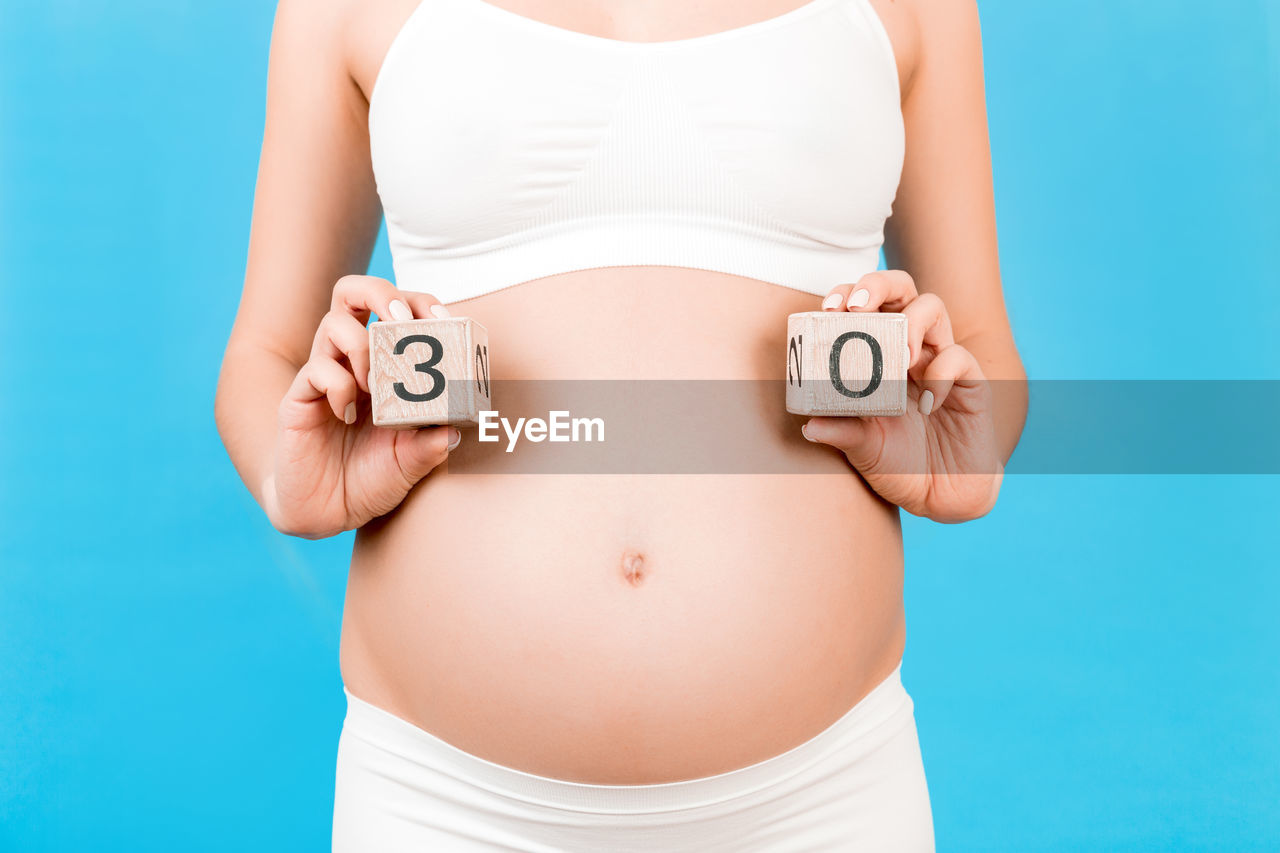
x=333, y=469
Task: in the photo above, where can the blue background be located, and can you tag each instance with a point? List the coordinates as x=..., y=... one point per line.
x=1094, y=664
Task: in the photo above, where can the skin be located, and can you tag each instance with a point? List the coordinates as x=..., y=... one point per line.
x=614, y=629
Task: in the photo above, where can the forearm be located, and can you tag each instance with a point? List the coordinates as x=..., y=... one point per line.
x=251, y=384
x=998, y=357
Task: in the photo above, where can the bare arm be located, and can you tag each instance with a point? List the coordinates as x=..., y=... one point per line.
x=315, y=218
x=943, y=459
x=943, y=230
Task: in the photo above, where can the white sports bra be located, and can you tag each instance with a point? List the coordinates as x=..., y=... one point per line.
x=506, y=149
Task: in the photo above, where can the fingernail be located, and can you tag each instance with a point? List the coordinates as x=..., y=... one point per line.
x=859, y=298
x=926, y=403
x=400, y=311
x=349, y=413
x=832, y=301
x=457, y=437
x=804, y=430
x=439, y=310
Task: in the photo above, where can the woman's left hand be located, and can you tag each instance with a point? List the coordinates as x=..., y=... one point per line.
x=940, y=459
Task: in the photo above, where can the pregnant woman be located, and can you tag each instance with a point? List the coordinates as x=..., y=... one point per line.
x=613, y=661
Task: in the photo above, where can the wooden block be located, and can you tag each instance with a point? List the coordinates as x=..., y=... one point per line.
x=844, y=364
x=425, y=372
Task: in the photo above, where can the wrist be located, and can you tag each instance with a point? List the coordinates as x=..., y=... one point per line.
x=978, y=501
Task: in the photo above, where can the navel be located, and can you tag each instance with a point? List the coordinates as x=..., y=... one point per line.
x=633, y=567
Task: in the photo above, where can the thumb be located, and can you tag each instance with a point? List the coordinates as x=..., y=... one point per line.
x=860, y=440
x=418, y=451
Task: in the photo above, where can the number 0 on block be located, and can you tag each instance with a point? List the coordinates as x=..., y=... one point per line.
x=846, y=364
x=428, y=372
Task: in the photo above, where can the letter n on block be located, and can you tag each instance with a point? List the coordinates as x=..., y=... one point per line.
x=846, y=364
x=427, y=372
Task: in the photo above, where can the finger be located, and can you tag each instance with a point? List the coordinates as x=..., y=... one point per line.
x=324, y=377
x=882, y=290
x=424, y=304
x=926, y=357
x=837, y=297
x=954, y=365
x=928, y=324
x=418, y=451
x=861, y=439
x=341, y=334
x=359, y=295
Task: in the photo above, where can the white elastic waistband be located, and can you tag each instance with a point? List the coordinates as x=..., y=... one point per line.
x=874, y=719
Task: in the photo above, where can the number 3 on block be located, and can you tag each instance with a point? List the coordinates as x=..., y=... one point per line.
x=428, y=372
x=846, y=364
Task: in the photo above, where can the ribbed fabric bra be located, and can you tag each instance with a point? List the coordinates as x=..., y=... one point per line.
x=506, y=149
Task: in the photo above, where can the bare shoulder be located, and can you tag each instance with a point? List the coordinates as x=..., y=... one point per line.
x=953, y=21
x=351, y=34
x=320, y=21
x=367, y=29
x=920, y=28
x=899, y=20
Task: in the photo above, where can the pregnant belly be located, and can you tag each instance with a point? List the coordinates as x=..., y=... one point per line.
x=629, y=628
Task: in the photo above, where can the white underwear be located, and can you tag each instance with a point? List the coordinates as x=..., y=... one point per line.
x=857, y=785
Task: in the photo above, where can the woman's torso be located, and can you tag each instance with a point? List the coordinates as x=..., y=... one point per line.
x=616, y=628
